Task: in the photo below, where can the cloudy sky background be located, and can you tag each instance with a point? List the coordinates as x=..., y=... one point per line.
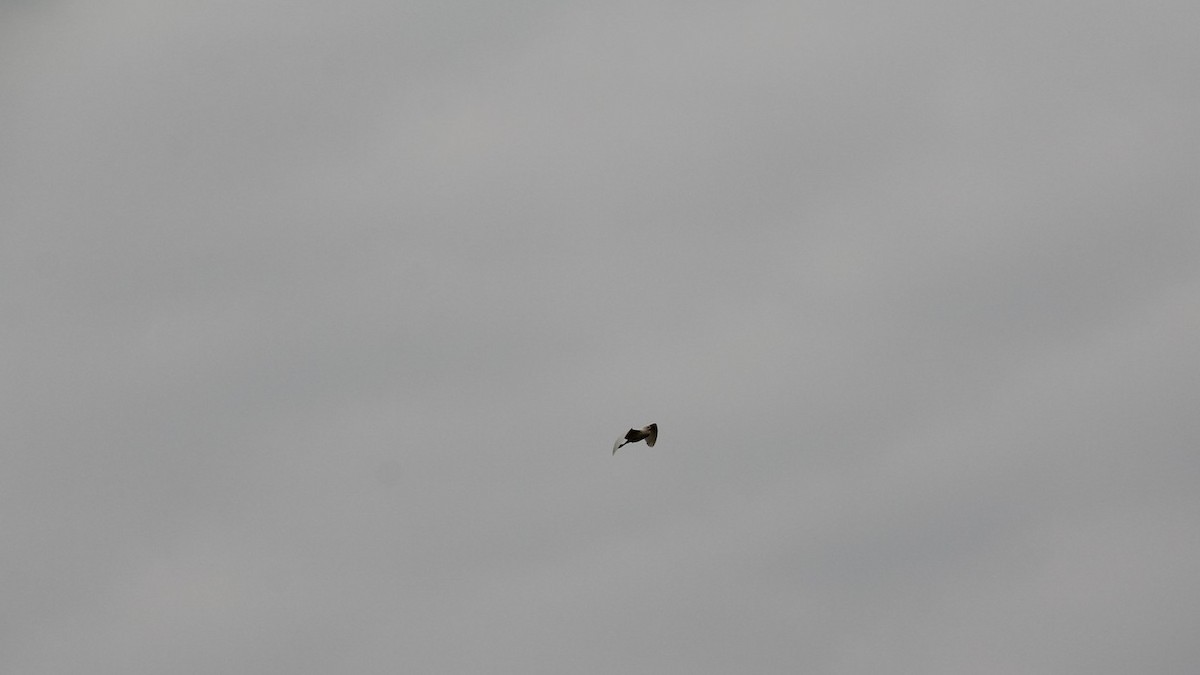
x=320, y=319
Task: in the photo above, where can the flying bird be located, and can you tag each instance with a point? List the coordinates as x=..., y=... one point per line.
x=647, y=433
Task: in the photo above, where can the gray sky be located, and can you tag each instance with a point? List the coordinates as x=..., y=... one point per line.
x=320, y=319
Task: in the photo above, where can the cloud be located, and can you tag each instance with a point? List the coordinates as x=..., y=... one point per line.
x=321, y=323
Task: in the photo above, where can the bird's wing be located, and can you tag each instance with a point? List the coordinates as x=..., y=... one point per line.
x=618, y=443
x=653, y=428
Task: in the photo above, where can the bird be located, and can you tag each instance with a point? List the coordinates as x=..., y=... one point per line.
x=647, y=433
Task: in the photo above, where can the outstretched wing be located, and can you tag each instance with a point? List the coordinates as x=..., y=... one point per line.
x=648, y=434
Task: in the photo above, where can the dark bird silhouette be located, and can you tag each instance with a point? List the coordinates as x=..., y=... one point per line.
x=648, y=434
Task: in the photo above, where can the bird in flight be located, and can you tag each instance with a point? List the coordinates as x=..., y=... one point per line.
x=647, y=433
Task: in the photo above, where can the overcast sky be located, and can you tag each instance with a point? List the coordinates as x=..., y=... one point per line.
x=319, y=321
